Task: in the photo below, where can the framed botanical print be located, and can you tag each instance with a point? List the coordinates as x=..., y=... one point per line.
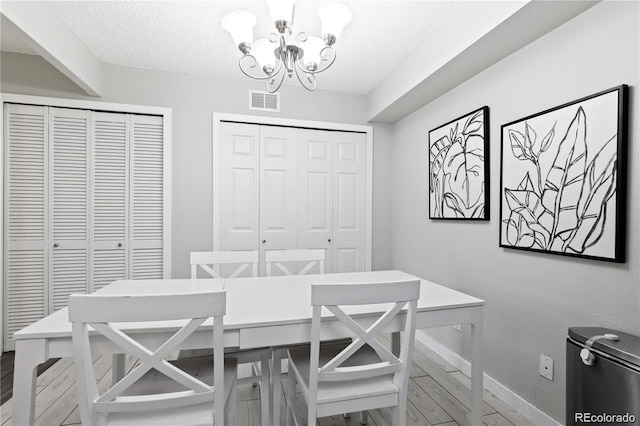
x=563, y=179
x=459, y=168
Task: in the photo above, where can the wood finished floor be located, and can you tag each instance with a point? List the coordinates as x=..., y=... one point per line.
x=438, y=395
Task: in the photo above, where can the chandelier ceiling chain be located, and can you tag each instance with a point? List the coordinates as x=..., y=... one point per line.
x=283, y=54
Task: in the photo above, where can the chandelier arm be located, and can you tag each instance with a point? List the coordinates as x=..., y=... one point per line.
x=276, y=79
x=309, y=82
x=301, y=37
x=249, y=62
x=327, y=58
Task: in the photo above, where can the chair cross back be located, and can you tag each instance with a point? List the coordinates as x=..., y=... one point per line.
x=334, y=297
x=103, y=313
x=277, y=257
x=244, y=260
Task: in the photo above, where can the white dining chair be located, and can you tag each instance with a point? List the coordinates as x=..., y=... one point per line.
x=208, y=260
x=277, y=259
x=157, y=390
x=258, y=358
x=337, y=378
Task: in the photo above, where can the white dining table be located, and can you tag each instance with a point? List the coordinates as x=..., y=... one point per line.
x=261, y=312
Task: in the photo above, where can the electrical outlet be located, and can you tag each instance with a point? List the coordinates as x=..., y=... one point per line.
x=546, y=367
x=458, y=327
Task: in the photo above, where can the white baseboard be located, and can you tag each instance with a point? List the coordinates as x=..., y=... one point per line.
x=515, y=401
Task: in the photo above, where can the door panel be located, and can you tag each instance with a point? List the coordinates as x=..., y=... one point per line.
x=239, y=177
x=349, y=228
x=26, y=215
x=109, y=198
x=69, y=209
x=315, y=227
x=278, y=189
x=146, y=254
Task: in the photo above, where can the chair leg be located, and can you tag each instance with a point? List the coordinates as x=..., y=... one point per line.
x=276, y=386
x=264, y=388
x=399, y=414
x=230, y=408
x=256, y=372
x=364, y=417
x=291, y=397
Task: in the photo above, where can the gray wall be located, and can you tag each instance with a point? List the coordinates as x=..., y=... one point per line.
x=193, y=99
x=531, y=298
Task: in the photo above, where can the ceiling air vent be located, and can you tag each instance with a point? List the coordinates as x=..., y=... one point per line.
x=264, y=101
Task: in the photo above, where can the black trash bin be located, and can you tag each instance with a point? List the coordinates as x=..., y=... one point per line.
x=603, y=377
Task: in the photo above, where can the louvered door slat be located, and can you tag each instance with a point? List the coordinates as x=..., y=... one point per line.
x=109, y=198
x=147, y=197
x=26, y=215
x=69, y=209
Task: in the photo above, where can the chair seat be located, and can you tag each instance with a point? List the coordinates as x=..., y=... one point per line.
x=156, y=382
x=196, y=415
x=328, y=392
x=243, y=356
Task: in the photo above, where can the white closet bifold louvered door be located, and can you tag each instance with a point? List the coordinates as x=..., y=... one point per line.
x=26, y=216
x=84, y=198
x=68, y=204
x=147, y=197
x=109, y=198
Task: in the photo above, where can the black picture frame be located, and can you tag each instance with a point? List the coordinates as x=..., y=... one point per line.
x=459, y=168
x=563, y=179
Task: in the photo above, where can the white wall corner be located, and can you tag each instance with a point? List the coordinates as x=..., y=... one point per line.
x=50, y=37
x=506, y=395
x=484, y=34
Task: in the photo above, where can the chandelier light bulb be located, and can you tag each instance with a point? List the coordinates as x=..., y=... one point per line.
x=333, y=18
x=240, y=25
x=263, y=50
x=312, y=48
x=281, y=12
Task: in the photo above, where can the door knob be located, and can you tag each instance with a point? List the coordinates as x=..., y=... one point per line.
x=329, y=239
x=56, y=244
x=264, y=241
x=119, y=244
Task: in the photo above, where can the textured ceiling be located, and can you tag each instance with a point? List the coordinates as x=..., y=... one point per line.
x=186, y=36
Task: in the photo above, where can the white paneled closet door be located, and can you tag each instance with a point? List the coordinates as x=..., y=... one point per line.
x=26, y=216
x=315, y=219
x=68, y=204
x=109, y=198
x=349, y=211
x=146, y=253
x=287, y=188
x=278, y=190
x=239, y=189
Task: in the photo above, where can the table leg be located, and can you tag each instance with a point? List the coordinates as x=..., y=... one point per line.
x=117, y=371
x=476, y=366
x=29, y=354
x=276, y=390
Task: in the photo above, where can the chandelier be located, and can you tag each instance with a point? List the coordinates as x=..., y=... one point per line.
x=303, y=55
